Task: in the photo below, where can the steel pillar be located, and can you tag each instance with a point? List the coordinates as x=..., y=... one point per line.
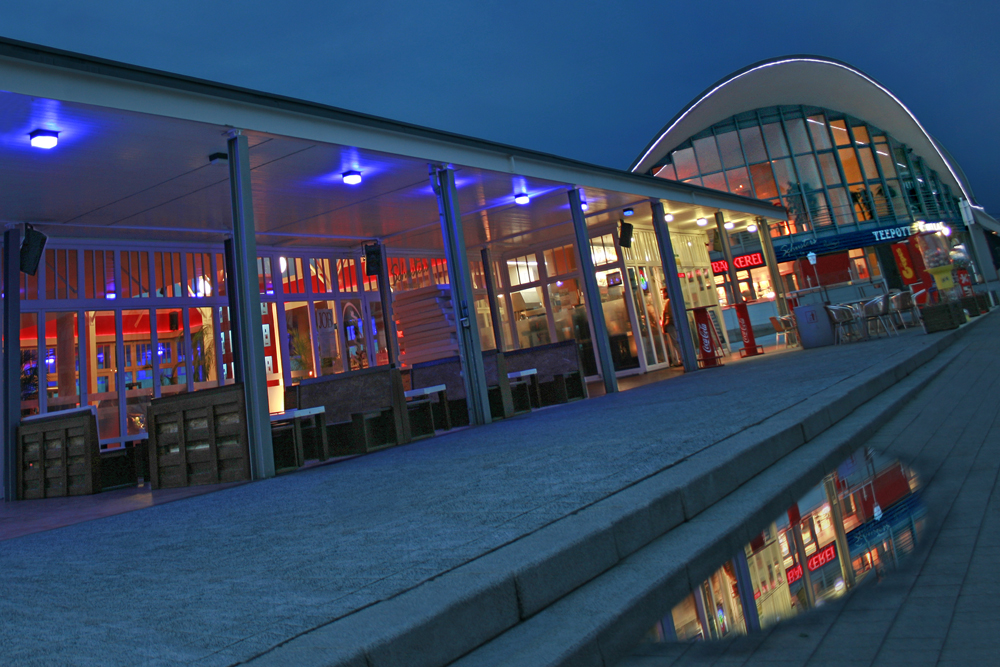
x=602, y=343
x=443, y=180
x=764, y=234
x=491, y=295
x=744, y=585
x=233, y=296
x=727, y=253
x=980, y=249
x=677, y=309
x=837, y=513
x=385, y=300
x=250, y=337
x=11, y=359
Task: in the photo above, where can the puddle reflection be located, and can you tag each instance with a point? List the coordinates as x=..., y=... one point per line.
x=857, y=523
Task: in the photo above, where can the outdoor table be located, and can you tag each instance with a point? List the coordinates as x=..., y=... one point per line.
x=528, y=378
x=420, y=402
x=294, y=419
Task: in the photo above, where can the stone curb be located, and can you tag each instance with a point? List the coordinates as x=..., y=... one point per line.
x=515, y=593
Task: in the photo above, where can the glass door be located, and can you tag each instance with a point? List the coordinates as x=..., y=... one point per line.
x=624, y=351
x=648, y=313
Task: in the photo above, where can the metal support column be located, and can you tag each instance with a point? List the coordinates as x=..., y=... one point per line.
x=837, y=514
x=677, y=310
x=727, y=253
x=764, y=234
x=385, y=300
x=980, y=250
x=491, y=296
x=795, y=528
x=250, y=337
x=11, y=359
x=602, y=343
x=744, y=585
x=443, y=180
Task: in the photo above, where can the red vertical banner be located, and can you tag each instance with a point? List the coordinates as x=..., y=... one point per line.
x=746, y=331
x=706, y=337
x=907, y=270
x=965, y=280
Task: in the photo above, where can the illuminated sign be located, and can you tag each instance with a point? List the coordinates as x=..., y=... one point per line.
x=818, y=560
x=748, y=261
x=756, y=595
x=793, y=574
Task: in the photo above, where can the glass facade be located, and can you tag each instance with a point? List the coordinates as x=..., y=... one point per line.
x=831, y=171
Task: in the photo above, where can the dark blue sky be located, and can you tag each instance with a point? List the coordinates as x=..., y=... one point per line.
x=588, y=80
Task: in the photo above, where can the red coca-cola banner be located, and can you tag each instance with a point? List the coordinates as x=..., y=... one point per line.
x=705, y=335
x=746, y=331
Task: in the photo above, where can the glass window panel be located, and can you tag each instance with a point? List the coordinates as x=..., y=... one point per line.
x=370, y=283
x=62, y=365
x=684, y=163
x=560, y=261
x=529, y=316
x=798, y=220
x=522, y=270
x=292, y=280
x=819, y=209
x=171, y=351
x=739, y=182
x=60, y=274
x=29, y=287
x=840, y=135
x=102, y=370
x=784, y=175
x=796, y=128
x=298, y=336
x=199, y=274
x=624, y=352
x=880, y=198
x=862, y=201
x=852, y=172
x=486, y=339
x=729, y=148
x=763, y=181
x=693, y=181
x=707, y=154
x=272, y=357
x=829, y=165
x=354, y=335
x=30, y=372
x=439, y=271
x=841, y=205
x=167, y=274
x=860, y=134
x=602, y=250
x=808, y=172
x=328, y=338
x=137, y=369
x=775, y=139
x=265, y=279
x=818, y=132
x=220, y=275
x=753, y=144
x=204, y=363
x=666, y=171
x=868, y=163
x=322, y=280
x=896, y=195
x=378, y=332
x=885, y=160
x=715, y=181
x=347, y=275
x=568, y=310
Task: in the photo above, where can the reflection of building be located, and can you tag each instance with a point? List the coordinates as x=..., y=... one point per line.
x=856, y=171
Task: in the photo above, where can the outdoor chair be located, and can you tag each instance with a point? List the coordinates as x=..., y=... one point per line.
x=901, y=303
x=845, y=323
x=876, y=312
x=782, y=327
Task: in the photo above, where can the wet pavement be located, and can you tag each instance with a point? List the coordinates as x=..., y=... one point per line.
x=939, y=607
x=220, y=578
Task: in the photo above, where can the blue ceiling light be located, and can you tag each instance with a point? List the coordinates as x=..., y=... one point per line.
x=583, y=200
x=521, y=198
x=351, y=177
x=628, y=212
x=44, y=138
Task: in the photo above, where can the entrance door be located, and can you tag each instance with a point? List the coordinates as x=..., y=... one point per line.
x=645, y=294
x=624, y=352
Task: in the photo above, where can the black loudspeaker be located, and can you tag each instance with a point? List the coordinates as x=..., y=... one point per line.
x=31, y=249
x=373, y=259
x=174, y=321
x=625, y=234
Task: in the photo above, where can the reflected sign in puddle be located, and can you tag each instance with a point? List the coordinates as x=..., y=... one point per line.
x=857, y=523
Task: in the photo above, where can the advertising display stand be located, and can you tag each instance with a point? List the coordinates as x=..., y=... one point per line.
x=710, y=351
x=750, y=346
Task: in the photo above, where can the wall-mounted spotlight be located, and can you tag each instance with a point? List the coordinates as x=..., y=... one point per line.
x=351, y=177
x=627, y=212
x=43, y=138
x=669, y=217
x=521, y=198
x=702, y=222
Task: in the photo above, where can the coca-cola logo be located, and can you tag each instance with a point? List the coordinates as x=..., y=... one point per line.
x=706, y=340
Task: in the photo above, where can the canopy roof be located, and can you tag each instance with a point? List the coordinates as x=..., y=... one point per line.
x=132, y=161
x=807, y=80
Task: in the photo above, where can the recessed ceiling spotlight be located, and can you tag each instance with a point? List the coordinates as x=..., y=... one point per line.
x=729, y=225
x=669, y=217
x=521, y=198
x=583, y=200
x=351, y=177
x=702, y=222
x=752, y=228
x=44, y=138
x=628, y=211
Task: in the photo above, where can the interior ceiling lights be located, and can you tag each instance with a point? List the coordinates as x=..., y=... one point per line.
x=669, y=217
x=702, y=222
x=752, y=228
x=44, y=138
x=729, y=225
x=521, y=198
x=628, y=212
x=351, y=177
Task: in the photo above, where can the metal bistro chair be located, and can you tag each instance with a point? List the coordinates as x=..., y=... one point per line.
x=845, y=324
x=902, y=302
x=877, y=311
x=782, y=328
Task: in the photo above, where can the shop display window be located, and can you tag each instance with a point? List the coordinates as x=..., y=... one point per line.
x=138, y=368
x=530, y=317
x=101, y=357
x=62, y=364
x=199, y=274
x=61, y=274
x=99, y=274
x=327, y=338
x=167, y=274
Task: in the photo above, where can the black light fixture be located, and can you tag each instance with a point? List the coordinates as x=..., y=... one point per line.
x=624, y=234
x=218, y=158
x=627, y=212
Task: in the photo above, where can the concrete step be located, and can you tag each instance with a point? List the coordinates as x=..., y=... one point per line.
x=584, y=589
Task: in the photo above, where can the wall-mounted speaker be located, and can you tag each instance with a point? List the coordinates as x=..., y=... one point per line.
x=32, y=248
x=625, y=234
x=373, y=259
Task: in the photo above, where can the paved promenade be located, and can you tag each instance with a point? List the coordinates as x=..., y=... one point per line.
x=940, y=607
x=221, y=578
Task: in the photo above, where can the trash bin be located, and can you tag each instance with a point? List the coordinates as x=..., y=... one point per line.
x=815, y=327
